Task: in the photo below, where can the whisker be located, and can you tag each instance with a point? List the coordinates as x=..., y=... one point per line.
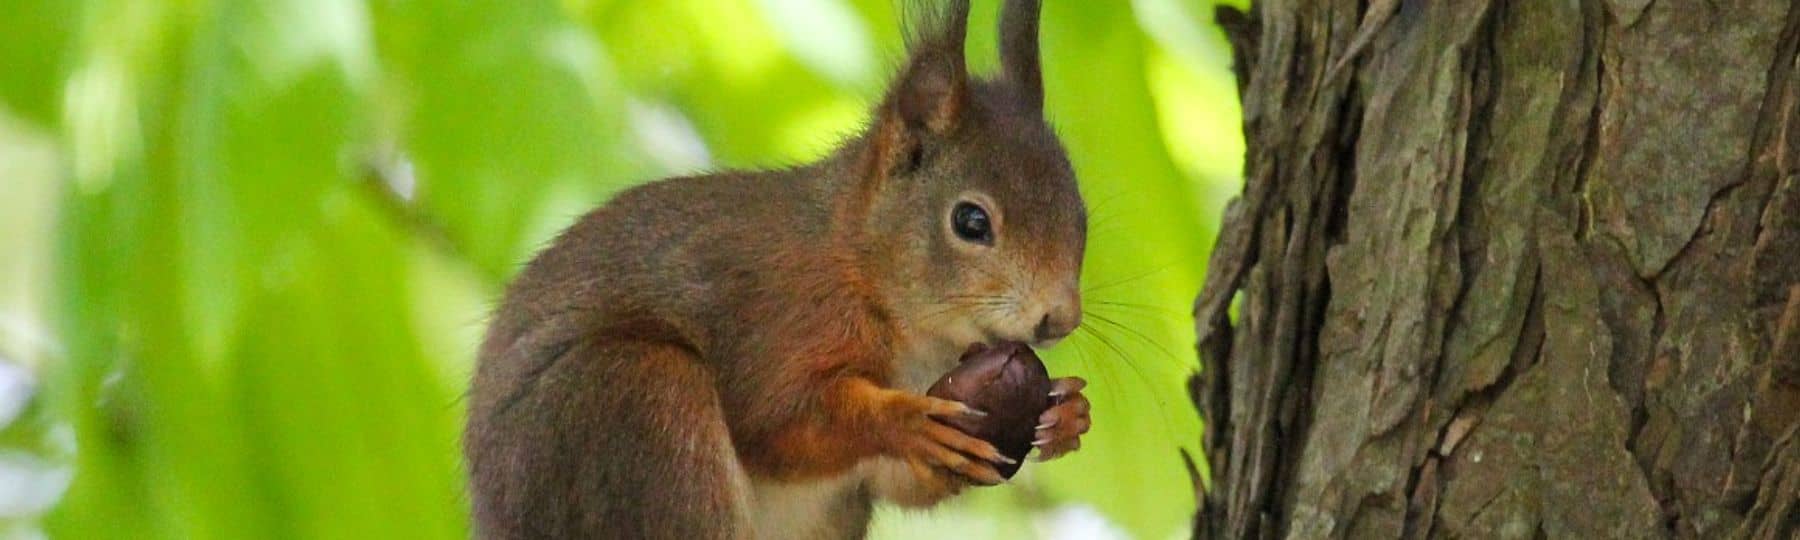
x=1161, y=313
x=1104, y=203
x=930, y=298
x=1104, y=223
x=1010, y=286
x=1149, y=384
x=968, y=300
x=946, y=310
x=1135, y=332
x=1101, y=213
x=1111, y=382
x=1122, y=281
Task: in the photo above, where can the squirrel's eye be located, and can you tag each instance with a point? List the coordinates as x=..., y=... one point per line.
x=970, y=221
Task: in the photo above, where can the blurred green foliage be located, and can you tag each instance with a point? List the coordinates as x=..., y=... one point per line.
x=274, y=228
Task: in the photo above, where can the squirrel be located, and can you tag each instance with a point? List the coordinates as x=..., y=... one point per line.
x=744, y=354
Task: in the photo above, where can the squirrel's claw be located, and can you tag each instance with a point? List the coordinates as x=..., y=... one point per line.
x=942, y=408
x=947, y=456
x=924, y=440
x=1060, y=428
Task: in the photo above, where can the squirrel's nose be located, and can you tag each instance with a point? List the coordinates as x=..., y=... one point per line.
x=1060, y=319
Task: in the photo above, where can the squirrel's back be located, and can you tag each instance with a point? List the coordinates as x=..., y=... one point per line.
x=667, y=256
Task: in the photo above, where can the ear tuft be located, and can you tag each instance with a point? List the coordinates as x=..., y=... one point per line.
x=932, y=93
x=935, y=24
x=934, y=86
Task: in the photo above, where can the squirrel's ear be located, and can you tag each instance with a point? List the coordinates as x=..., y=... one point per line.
x=1019, y=51
x=931, y=94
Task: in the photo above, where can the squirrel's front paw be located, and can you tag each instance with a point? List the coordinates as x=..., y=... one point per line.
x=1060, y=428
x=926, y=443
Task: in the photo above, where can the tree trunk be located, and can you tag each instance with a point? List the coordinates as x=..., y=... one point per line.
x=1508, y=269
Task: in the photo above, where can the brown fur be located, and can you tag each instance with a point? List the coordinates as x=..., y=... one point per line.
x=714, y=356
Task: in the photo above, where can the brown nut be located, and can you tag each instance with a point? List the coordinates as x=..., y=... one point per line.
x=1010, y=384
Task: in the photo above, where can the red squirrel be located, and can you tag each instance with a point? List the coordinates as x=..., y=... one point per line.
x=745, y=354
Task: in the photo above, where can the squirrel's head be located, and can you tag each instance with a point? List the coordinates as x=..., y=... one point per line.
x=969, y=208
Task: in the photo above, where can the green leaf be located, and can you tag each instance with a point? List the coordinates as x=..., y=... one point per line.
x=241, y=364
x=1144, y=264
x=502, y=104
x=754, y=103
x=35, y=38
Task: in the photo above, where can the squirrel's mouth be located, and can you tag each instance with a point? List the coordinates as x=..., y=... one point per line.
x=989, y=340
x=992, y=342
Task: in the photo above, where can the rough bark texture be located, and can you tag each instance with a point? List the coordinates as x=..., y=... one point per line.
x=1509, y=269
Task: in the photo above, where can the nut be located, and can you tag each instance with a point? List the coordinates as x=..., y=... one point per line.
x=1010, y=384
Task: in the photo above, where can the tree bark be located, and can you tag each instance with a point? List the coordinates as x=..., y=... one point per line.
x=1508, y=269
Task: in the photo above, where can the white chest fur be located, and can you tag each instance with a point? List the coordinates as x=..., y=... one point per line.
x=923, y=363
x=817, y=509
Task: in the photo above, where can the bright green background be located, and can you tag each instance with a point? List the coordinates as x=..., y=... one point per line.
x=228, y=327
